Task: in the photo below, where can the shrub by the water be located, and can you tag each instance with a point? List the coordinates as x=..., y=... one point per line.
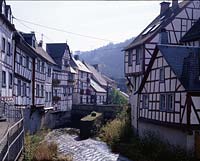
x=118, y=134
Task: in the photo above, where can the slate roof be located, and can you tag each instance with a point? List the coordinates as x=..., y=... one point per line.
x=96, y=75
x=96, y=86
x=44, y=54
x=193, y=34
x=185, y=62
x=157, y=24
x=56, y=51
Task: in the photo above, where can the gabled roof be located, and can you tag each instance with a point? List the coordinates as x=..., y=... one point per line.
x=193, y=34
x=96, y=75
x=157, y=24
x=56, y=51
x=44, y=54
x=183, y=60
x=96, y=87
x=79, y=65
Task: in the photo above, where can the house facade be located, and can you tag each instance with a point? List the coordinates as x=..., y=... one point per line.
x=168, y=98
x=23, y=72
x=162, y=69
x=168, y=28
x=81, y=92
x=63, y=76
x=99, y=86
x=7, y=52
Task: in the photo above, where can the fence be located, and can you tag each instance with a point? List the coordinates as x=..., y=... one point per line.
x=12, y=143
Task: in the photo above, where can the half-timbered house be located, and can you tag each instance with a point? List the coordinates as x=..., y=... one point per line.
x=167, y=28
x=82, y=92
x=42, y=74
x=169, y=95
x=6, y=52
x=23, y=72
x=63, y=76
x=98, y=94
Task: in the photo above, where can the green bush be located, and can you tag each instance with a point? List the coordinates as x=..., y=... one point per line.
x=117, y=98
x=118, y=134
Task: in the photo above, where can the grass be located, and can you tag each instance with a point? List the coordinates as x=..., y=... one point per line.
x=118, y=134
x=36, y=149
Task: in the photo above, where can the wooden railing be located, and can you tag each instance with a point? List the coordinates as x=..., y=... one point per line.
x=12, y=143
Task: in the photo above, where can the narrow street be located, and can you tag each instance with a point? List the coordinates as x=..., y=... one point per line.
x=82, y=150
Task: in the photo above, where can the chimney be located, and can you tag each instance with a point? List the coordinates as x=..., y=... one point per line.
x=174, y=4
x=40, y=43
x=76, y=57
x=163, y=7
x=96, y=66
x=163, y=36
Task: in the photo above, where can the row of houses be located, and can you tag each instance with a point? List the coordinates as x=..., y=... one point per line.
x=162, y=67
x=32, y=77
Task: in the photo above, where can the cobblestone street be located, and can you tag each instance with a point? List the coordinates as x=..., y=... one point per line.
x=82, y=150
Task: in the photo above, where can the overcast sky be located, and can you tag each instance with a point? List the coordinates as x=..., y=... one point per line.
x=114, y=21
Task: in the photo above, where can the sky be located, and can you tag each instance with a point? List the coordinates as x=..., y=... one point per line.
x=109, y=21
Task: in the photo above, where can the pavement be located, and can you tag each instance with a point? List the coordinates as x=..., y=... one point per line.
x=82, y=150
x=3, y=128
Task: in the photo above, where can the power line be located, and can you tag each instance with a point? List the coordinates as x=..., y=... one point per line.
x=32, y=30
x=61, y=30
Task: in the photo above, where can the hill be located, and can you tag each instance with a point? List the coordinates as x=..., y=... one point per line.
x=110, y=59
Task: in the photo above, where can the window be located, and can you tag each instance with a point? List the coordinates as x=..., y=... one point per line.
x=138, y=55
x=42, y=90
x=27, y=62
x=130, y=58
x=24, y=89
x=43, y=67
x=9, y=49
x=170, y=102
x=81, y=74
x=162, y=102
x=49, y=72
x=81, y=85
x=56, y=92
x=10, y=80
x=21, y=60
x=3, y=79
x=162, y=74
x=19, y=87
x=66, y=63
x=145, y=101
x=3, y=44
x=38, y=65
x=64, y=91
x=50, y=96
x=37, y=90
x=46, y=98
